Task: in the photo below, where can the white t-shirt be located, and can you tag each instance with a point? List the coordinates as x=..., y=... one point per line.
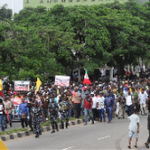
x=1, y=107
x=134, y=119
x=100, y=101
x=142, y=98
x=128, y=100
x=94, y=102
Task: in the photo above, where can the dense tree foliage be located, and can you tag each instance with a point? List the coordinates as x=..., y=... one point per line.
x=41, y=43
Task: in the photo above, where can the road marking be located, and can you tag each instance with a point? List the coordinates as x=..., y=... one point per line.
x=104, y=137
x=67, y=148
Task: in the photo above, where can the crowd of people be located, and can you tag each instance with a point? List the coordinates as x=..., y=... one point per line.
x=98, y=100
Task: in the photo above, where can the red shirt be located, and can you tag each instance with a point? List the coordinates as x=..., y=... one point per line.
x=88, y=103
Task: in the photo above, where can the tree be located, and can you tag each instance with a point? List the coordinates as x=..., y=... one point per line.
x=5, y=13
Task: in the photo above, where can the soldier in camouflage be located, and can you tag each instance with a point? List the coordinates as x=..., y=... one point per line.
x=53, y=109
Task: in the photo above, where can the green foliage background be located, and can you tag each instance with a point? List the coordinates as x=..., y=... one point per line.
x=39, y=43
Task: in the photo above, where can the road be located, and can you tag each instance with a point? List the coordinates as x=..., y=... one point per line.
x=97, y=136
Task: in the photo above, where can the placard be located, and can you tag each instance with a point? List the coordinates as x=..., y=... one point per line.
x=22, y=85
x=62, y=80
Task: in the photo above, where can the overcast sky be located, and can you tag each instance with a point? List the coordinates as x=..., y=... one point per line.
x=18, y=4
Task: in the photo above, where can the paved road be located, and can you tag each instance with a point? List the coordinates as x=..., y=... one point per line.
x=97, y=136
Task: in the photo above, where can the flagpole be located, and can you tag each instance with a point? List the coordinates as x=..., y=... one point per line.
x=12, y=8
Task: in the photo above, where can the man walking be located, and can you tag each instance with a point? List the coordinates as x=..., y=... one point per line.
x=88, y=108
x=135, y=98
x=109, y=104
x=134, y=127
x=142, y=101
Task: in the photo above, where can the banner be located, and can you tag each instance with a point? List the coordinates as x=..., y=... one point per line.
x=15, y=109
x=22, y=85
x=62, y=80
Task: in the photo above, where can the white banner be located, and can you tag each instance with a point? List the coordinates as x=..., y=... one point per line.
x=62, y=80
x=22, y=85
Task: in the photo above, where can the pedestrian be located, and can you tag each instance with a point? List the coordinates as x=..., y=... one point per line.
x=148, y=124
x=109, y=104
x=65, y=106
x=121, y=100
x=134, y=127
x=53, y=110
x=1, y=114
x=88, y=108
x=129, y=102
x=142, y=101
x=30, y=105
x=7, y=110
x=37, y=115
x=45, y=103
x=77, y=102
x=135, y=98
x=94, y=109
x=100, y=107
x=23, y=112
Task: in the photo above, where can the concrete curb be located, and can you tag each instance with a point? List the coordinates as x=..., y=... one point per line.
x=43, y=129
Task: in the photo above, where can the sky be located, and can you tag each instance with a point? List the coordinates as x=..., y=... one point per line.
x=18, y=4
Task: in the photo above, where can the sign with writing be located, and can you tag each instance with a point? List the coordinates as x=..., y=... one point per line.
x=15, y=109
x=22, y=85
x=62, y=80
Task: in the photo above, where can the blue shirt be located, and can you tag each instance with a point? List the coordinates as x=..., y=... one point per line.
x=23, y=109
x=109, y=102
x=55, y=100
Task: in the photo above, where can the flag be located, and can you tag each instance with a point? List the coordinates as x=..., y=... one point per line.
x=38, y=84
x=86, y=79
x=1, y=85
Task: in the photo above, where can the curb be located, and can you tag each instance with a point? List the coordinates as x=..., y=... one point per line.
x=43, y=129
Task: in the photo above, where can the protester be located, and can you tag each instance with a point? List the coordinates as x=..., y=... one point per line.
x=1, y=114
x=45, y=103
x=134, y=127
x=100, y=107
x=148, y=124
x=109, y=105
x=77, y=102
x=129, y=103
x=23, y=112
x=142, y=101
x=7, y=110
x=88, y=108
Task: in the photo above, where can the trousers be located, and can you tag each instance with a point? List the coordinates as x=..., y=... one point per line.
x=129, y=110
x=143, y=108
x=45, y=111
x=86, y=112
x=109, y=111
x=64, y=114
x=121, y=111
x=101, y=114
x=1, y=122
x=77, y=109
x=24, y=121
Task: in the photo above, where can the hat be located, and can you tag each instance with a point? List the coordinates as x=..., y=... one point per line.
x=92, y=93
x=87, y=93
x=100, y=92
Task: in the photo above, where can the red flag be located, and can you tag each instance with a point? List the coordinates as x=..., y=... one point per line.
x=1, y=94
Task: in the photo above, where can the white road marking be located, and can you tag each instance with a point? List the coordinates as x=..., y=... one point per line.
x=67, y=148
x=105, y=137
